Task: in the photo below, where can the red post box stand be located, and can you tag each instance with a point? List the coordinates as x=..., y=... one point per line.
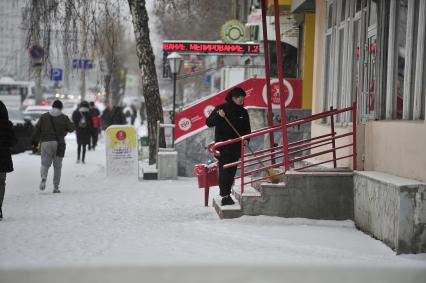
x=207, y=177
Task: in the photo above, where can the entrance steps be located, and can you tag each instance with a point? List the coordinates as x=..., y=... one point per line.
x=314, y=195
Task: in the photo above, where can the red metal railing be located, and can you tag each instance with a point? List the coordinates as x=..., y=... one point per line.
x=324, y=144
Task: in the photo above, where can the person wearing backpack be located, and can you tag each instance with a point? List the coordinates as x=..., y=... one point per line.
x=83, y=124
x=96, y=123
x=50, y=130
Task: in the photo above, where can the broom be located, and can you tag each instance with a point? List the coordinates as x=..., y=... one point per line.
x=269, y=172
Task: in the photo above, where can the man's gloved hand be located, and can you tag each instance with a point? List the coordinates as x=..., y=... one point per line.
x=221, y=113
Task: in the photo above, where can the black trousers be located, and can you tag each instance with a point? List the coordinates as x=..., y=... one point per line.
x=94, y=138
x=79, y=151
x=226, y=176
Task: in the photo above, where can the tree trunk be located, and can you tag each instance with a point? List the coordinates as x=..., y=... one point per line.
x=151, y=92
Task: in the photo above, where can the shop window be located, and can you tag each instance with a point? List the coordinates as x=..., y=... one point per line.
x=406, y=98
x=372, y=18
x=401, y=54
x=289, y=59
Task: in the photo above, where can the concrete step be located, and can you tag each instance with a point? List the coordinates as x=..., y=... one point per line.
x=227, y=211
x=150, y=174
x=249, y=192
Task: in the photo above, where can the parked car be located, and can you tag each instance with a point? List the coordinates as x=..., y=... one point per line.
x=35, y=111
x=23, y=129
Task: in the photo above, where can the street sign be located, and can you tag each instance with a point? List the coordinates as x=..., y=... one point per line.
x=82, y=64
x=56, y=74
x=36, y=52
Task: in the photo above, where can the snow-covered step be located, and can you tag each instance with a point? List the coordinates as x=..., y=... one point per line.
x=227, y=211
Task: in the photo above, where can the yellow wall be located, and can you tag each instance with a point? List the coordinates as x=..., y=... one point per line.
x=320, y=16
x=280, y=2
x=308, y=60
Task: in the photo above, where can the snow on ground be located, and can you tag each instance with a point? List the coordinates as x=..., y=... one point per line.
x=99, y=221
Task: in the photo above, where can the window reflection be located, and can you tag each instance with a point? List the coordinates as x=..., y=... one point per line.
x=401, y=35
x=373, y=13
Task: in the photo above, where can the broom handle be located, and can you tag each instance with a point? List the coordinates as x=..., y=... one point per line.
x=235, y=130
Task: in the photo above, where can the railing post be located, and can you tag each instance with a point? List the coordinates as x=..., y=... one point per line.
x=267, y=72
x=242, y=166
x=354, y=135
x=280, y=83
x=333, y=141
x=206, y=187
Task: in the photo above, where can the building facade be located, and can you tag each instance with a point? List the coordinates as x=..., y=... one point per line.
x=373, y=52
x=14, y=60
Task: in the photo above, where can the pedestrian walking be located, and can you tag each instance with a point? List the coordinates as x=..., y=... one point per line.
x=83, y=123
x=227, y=118
x=50, y=130
x=118, y=117
x=96, y=123
x=106, y=117
x=134, y=113
x=7, y=140
x=128, y=113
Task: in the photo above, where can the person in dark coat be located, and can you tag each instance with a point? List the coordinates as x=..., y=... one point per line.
x=83, y=124
x=238, y=116
x=106, y=117
x=134, y=113
x=7, y=140
x=96, y=123
x=118, y=117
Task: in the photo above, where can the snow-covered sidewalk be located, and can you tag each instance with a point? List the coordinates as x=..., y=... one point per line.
x=100, y=221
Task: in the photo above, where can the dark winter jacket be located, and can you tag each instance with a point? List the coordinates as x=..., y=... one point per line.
x=238, y=117
x=44, y=130
x=7, y=140
x=118, y=117
x=106, y=118
x=96, y=118
x=83, y=124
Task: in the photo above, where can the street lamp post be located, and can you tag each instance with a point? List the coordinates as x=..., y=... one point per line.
x=175, y=61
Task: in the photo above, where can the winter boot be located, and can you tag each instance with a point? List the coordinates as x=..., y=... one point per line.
x=1, y=214
x=42, y=184
x=227, y=200
x=56, y=190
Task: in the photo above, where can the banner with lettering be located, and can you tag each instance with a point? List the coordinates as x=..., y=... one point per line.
x=192, y=119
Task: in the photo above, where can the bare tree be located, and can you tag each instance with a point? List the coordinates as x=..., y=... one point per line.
x=81, y=15
x=149, y=74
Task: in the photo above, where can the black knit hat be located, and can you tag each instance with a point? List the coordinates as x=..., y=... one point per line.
x=235, y=92
x=57, y=104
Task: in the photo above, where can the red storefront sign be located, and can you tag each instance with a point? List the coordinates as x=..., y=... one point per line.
x=193, y=118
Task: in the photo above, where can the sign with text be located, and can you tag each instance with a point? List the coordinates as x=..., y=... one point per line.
x=193, y=118
x=82, y=64
x=211, y=47
x=121, y=151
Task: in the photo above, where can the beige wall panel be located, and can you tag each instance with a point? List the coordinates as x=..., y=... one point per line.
x=397, y=148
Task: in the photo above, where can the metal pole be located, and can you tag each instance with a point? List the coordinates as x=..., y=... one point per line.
x=158, y=142
x=354, y=134
x=280, y=83
x=174, y=107
x=267, y=72
x=333, y=141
